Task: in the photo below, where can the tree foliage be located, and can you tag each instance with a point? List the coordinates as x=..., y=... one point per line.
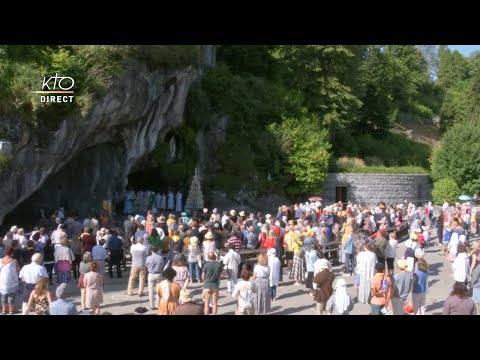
x=306, y=149
x=445, y=189
x=457, y=157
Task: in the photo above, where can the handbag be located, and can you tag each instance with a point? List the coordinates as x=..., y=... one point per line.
x=81, y=284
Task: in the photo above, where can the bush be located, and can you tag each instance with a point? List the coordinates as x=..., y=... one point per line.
x=457, y=157
x=5, y=162
x=445, y=190
x=345, y=164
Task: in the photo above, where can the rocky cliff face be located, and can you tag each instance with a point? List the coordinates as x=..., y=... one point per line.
x=87, y=161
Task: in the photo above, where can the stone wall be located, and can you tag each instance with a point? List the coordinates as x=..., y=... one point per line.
x=369, y=189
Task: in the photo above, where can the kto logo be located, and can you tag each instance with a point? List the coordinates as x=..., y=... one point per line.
x=56, y=85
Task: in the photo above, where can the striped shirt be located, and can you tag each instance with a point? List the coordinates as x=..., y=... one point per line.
x=235, y=242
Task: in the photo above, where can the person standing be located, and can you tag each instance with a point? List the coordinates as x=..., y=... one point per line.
x=381, y=290
x=311, y=258
x=420, y=284
x=83, y=269
x=391, y=252
x=139, y=257
x=461, y=265
x=9, y=283
x=261, y=276
x=40, y=298
x=63, y=260
x=31, y=274
x=366, y=261
x=115, y=247
x=155, y=265
x=94, y=293
x=99, y=254
x=211, y=276
x=475, y=280
x=403, y=282
x=231, y=262
x=323, y=282
x=340, y=303
x=245, y=291
x=194, y=260
x=168, y=293
x=61, y=306
x=459, y=303
x=188, y=307
x=275, y=270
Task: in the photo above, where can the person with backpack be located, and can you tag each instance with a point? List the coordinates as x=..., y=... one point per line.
x=244, y=291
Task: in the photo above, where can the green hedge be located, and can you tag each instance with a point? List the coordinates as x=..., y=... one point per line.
x=390, y=170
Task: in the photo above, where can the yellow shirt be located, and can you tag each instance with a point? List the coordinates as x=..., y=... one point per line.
x=297, y=245
x=186, y=242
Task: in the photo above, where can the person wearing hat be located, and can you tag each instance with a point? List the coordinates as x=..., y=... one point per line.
x=459, y=302
x=340, y=303
x=194, y=260
x=188, y=307
x=208, y=245
x=403, y=284
x=31, y=274
x=61, y=306
x=323, y=282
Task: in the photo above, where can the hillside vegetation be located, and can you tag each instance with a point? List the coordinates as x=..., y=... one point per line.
x=292, y=110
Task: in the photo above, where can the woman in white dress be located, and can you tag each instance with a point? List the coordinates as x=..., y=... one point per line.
x=275, y=268
x=366, y=261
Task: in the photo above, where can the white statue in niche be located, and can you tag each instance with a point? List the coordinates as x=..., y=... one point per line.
x=173, y=148
x=170, y=201
x=178, y=198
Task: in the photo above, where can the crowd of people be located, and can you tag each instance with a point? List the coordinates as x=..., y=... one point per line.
x=170, y=253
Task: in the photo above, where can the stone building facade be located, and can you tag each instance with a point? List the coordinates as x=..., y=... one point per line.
x=369, y=189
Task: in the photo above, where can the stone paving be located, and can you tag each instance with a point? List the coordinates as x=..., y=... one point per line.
x=292, y=299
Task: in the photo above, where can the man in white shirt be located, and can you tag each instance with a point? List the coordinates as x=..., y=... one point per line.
x=30, y=274
x=139, y=256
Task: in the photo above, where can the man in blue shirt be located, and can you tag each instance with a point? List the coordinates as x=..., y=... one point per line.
x=62, y=306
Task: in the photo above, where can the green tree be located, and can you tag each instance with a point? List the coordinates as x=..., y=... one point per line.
x=378, y=111
x=457, y=157
x=452, y=67
x=305, y=148
x=328, y=77
x=445, y=190
x=456, y=105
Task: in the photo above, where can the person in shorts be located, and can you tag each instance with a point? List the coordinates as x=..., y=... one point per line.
x=211, y=272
